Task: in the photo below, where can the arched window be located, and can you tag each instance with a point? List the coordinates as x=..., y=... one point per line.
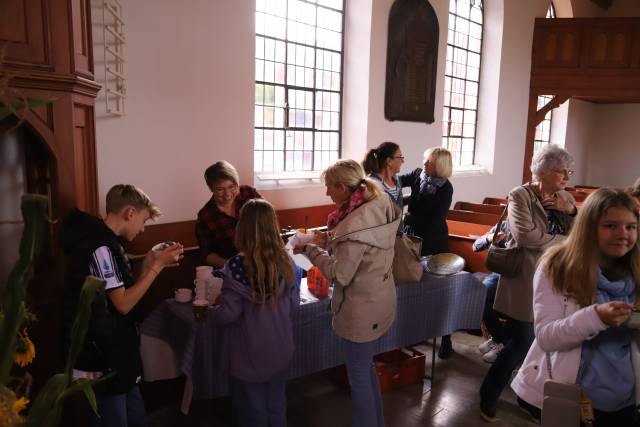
x=543, y=130
x=462, y=80
x=298, y=92
x=551, y=12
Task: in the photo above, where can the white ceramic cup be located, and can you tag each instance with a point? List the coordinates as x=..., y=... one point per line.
x=183, y=294
x=161, y=247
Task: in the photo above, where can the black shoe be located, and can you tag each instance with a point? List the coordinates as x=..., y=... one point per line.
x=446, y=349
x=533, y=412
x=488, y=412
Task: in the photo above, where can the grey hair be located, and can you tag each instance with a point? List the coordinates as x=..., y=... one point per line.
x=551, y=157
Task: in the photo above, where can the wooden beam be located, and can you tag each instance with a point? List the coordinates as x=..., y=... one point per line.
x=553, y=103
x=603, y=4
x=530, y=136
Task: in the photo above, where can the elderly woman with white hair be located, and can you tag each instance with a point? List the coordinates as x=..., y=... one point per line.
x=540, y=214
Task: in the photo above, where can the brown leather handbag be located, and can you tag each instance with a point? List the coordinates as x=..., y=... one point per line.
x=406, y=259
x=505, y=261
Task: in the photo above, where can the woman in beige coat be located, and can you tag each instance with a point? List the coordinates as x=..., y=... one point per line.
x=540, y=214
x=358, y=260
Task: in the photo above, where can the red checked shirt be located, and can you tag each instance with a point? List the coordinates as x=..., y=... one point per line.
x=215, y=230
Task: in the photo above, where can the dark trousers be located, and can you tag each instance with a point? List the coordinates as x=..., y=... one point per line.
x=261, y=404
x=626, y=417
x=117, y=410
x=489, y=315
x=520, y=337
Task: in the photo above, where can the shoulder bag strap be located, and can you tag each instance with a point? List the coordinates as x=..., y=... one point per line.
x=502, y=217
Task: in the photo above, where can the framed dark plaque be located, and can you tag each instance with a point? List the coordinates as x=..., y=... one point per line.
x=412, y=58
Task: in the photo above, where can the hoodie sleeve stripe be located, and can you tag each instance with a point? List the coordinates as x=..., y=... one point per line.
x=104, y=266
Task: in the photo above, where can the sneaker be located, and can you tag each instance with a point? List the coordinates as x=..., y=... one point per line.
x=487, y=345
x=533, y=412
x=491, y=355
x=488, y=412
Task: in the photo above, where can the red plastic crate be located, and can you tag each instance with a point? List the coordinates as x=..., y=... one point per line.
x=395, y=369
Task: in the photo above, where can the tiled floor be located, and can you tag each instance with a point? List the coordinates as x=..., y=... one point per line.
x=315, y=401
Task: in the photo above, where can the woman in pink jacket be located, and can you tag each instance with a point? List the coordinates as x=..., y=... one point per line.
x=584, y=292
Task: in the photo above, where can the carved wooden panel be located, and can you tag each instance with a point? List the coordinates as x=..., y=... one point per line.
x=412, y=53
x=44, y=113
x=81, y=21
x=24, y=28
x=609, y=46
x=556, y=46
x=84, y=157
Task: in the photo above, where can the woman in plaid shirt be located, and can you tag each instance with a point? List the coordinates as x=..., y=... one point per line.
x=216, y=223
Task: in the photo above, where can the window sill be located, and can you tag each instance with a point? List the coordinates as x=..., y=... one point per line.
x=284, y=180
x=470, y=171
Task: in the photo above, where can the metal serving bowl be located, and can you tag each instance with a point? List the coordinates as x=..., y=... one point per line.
x=444, y=264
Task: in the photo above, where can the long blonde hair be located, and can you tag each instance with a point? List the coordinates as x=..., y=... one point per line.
x=572, y=264
x=350, y=173
x=265, y=258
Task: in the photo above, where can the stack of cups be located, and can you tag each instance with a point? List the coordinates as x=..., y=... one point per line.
x=204, y=274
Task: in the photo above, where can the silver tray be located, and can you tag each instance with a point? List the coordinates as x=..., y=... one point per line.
x=444, y=264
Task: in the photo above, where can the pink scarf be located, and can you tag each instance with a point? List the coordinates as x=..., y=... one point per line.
x=355, y=201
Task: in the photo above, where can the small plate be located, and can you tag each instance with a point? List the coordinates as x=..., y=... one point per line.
x=445, y=264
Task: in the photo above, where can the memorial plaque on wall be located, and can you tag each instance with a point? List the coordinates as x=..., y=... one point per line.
x=412, y=57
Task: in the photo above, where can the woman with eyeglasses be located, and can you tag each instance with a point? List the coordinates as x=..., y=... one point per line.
x=540, y=215
x=383, y=164
x=216, y=223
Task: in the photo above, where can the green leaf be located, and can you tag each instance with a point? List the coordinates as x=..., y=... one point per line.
x=45, y=411
x=92, y=288
x=19, y=106
x=35, y=215
x=91, y=397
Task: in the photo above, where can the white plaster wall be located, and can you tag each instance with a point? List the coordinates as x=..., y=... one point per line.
x=580, y=132
x=190, y=89
x=12, y=187
x=613, y=152
x=190, y=74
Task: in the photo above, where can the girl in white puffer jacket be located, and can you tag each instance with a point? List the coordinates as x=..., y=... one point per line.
x=584, y=292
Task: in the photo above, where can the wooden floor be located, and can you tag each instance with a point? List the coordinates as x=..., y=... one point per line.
x=315, y=401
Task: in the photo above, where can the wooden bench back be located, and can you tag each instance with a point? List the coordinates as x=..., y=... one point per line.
x=479, y=207
x=494, y=201
x=473, y=217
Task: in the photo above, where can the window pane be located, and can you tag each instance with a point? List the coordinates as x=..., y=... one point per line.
x=462, y=75
x=298, y=46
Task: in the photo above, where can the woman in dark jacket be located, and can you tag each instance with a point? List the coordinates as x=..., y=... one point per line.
x=431, y=194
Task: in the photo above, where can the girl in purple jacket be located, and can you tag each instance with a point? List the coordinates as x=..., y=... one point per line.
x=585, y=289
x=259, y=296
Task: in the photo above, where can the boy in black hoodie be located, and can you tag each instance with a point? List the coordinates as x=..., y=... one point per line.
x=94, y=247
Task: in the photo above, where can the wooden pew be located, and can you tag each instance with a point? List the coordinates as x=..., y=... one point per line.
x=494, y=201
x=473, y=217
x=461, y=238
x=479, y=207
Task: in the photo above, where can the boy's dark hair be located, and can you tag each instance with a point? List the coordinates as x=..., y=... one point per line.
x=122, y=195
x=221, y=171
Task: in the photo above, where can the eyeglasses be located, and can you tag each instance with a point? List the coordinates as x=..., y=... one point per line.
x=398, y=157
x=566, y=172
x=221, y=190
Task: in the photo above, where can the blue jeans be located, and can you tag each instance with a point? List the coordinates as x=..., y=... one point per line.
x=117, y=410
x=262, y=404
x=366, y=400
x=520, y=337
x=489, y=316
